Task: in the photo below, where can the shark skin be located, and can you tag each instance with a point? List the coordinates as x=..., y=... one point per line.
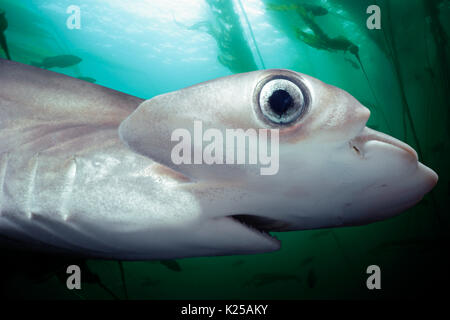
x=86, y=170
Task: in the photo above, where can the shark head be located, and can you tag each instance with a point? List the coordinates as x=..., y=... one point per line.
x=327, y=169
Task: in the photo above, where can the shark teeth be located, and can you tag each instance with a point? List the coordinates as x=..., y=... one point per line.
x=261, y=225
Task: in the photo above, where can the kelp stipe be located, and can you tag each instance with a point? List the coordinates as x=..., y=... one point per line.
x=320, y=40
x=378, y=104
x=392, y=49
x=122, y=277
x=252, y=35
x=225, y=27
x=441, y=42
x=390, y=43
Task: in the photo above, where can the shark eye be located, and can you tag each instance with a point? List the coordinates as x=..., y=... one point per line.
x=282, y=101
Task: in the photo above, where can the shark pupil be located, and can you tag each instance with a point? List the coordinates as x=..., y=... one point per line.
x=280, y=101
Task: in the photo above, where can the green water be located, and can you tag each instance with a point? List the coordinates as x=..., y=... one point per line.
x=145, y=48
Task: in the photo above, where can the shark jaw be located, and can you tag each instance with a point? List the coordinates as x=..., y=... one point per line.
x=260, y=228
x=366, y=146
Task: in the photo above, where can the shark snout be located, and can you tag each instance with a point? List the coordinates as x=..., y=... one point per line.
x=362, y=114
x=350, y=118
x=402, y=180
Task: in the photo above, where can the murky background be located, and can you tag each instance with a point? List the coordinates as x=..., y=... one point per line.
x=149, y=47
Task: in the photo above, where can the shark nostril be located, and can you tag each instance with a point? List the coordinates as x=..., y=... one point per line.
x=280, y=101
x=355, y=148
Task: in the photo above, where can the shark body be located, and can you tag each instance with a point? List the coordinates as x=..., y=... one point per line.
x=86, y=170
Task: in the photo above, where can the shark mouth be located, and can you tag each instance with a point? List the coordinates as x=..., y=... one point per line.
x=261, y=225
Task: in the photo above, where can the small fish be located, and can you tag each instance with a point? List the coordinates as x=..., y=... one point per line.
x=61, y=61
x=204, y=26
x=88, y=79
x=3, y=27
x=171, y=264
x=311, y=278
x=263, y=279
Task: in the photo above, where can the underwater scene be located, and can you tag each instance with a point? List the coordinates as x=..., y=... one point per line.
x=399, y=70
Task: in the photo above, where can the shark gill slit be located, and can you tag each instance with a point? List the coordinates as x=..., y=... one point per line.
x=29, y=197
x=67, y=191
x=4, y=159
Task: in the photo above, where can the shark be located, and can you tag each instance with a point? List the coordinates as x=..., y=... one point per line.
x=86, y=170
